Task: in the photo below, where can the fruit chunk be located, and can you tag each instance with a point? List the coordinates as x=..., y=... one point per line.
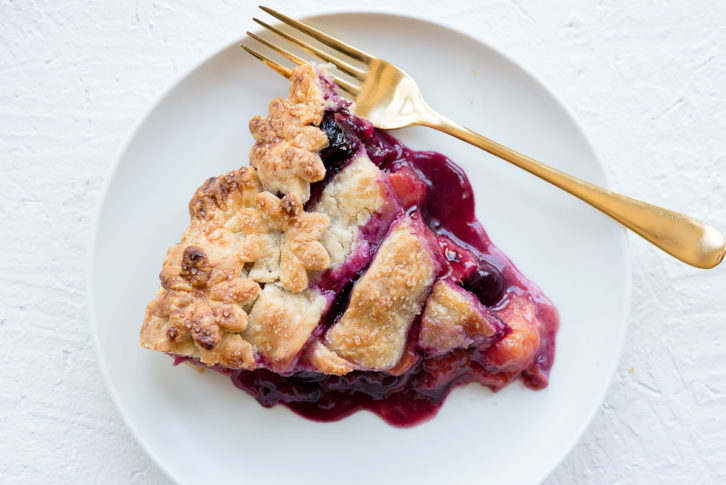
x=340, y=146
x=486, y=283
x=517, y=349
x=460, y=261
x=409, y=188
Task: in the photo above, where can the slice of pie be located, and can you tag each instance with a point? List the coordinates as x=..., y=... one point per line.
x=341, y=271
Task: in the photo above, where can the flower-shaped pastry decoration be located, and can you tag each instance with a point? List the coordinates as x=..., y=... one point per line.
x=287, y=140
x=300, y=249
x=215, y=301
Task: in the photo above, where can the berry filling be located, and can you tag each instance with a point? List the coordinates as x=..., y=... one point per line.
x=486, y=283
x=340, y=145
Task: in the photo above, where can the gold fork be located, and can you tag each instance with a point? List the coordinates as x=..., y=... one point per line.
x=390, y=99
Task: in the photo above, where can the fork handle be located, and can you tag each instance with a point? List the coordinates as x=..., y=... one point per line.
x=686, y=238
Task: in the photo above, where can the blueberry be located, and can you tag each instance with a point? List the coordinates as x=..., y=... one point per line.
x=340, y=145
x=486, y=282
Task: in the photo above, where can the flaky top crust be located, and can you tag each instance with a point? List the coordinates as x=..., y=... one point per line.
x=281, y=322
x=350, y=200
x=454, y=318
x=372, y=332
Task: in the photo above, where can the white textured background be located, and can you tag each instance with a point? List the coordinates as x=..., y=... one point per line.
x=647, y=79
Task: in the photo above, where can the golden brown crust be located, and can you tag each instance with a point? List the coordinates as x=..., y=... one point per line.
x=261, y=246
x=287, y=140
x=299, y=248
x=203, y=292
x=453, y=317
x=223, y=195
x=202, y=305
x=321, y=359
x=281, y=323
x=233, y=352
x=372, y=332
x=240, y=235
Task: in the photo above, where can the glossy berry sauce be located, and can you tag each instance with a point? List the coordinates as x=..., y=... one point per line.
x=468, y=258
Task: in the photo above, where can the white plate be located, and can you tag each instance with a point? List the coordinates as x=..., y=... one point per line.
x=200, y=429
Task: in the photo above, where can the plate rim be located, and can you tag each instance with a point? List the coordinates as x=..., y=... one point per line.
x=303, y=15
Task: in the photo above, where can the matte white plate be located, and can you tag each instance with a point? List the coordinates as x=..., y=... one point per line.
x=200, y=429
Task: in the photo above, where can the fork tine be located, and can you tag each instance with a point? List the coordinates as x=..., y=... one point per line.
x=322, y=37
x=280, y=50
x=278, y=68
x=341, y=64
x=342, y=83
